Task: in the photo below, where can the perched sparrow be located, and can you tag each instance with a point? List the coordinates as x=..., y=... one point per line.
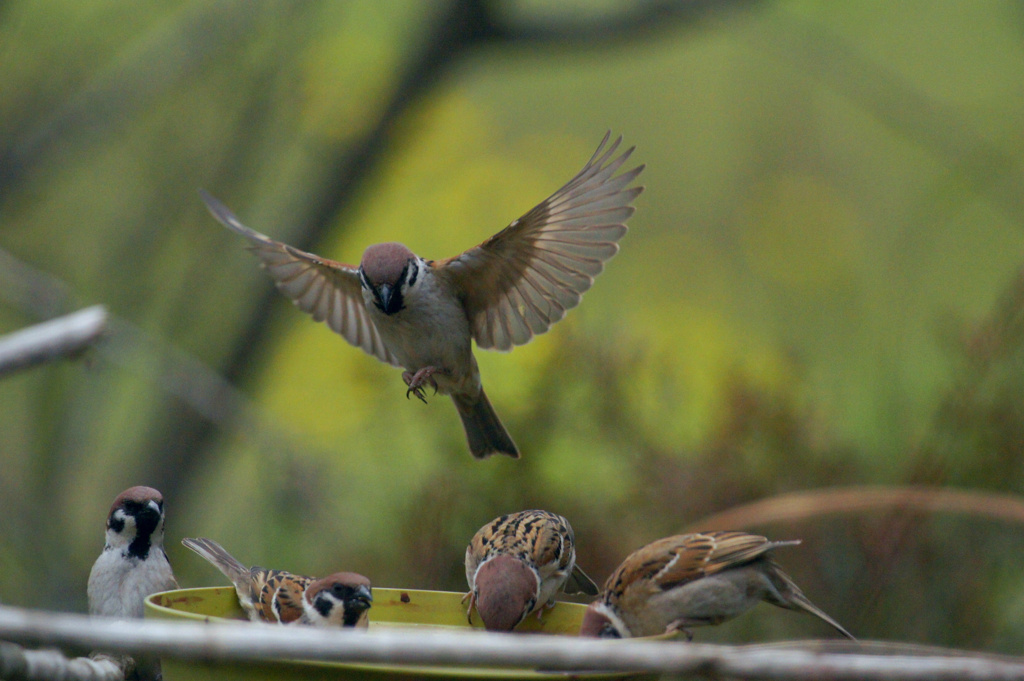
x=341, y=599
x=693, y=580
x=421, y=314
x=133, y=565
x=516, y=563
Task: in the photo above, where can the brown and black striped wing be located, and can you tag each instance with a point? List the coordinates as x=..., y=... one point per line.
x=540, y=538
x=673, y=561
x=280, y=595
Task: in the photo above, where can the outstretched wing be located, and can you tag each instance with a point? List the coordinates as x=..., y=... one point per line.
x=328, y=290
x=524, y=278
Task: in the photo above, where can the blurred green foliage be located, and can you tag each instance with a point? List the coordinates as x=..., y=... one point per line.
x=819, y=287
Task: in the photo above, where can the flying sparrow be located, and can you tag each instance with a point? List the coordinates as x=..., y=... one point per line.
x=516, y=563
x=693, y=580
x=421, y=314
x=133, y=565
x=342, y=599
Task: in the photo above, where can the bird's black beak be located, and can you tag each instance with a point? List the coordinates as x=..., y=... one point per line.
x=146, y=519
x=384, y=294
x=360, y=600
x=389, y=299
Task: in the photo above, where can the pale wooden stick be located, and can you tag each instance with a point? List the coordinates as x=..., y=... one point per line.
x=250, y=642
x=818, y=503
x=18, y=664
x=60, y=337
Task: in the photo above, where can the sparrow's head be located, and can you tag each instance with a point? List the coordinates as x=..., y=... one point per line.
x=339, y=600
x=136, y=521
x=387, y=271
x=600, y=622
x=506, y=592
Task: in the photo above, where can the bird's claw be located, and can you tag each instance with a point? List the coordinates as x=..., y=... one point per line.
x=678, y=627
x=416, y=381
x=469, y=611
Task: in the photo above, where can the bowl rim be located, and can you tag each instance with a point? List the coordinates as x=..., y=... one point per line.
x=438, y=671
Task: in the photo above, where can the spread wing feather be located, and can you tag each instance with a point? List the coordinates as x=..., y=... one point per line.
x=524, y=278
x=328, y=290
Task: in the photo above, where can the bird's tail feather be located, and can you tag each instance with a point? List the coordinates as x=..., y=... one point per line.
x=484, y=431
x=794, y=599
x=219, y=558
x=580, y=583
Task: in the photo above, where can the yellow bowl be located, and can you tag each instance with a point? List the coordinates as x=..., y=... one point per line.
x=391, y=608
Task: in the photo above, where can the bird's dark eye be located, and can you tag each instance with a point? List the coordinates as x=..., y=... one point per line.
x=341, y=591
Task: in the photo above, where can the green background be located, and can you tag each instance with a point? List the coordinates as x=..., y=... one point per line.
x=820, y=288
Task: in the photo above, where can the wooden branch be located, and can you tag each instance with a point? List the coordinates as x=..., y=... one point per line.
x=859, y=499
x=18, y=664
x=253, y=642
x=61, y=337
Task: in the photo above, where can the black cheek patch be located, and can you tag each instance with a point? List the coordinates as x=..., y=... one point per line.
x=323, y=605
x=116, y=523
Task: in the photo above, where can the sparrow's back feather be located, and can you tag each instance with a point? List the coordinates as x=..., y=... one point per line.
x=541, y=539
x=679, y=559
x=280, y=594
x=535, y=536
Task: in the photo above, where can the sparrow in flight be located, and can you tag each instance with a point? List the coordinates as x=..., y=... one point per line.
x=515, y=565
x=694, y=580
x=422, y=314
x=277, y=596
